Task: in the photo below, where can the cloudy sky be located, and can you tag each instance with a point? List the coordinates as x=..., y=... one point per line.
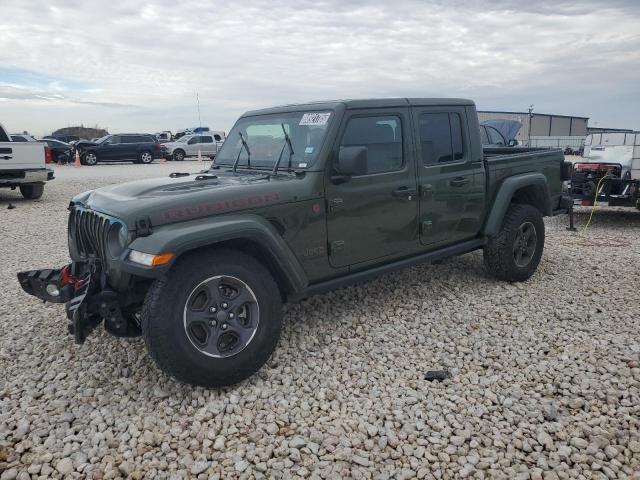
x=131, y=65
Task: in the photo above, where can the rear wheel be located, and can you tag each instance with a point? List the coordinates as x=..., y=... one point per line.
x=515, y=252
x=214, y=319
x=145, y=157
x=178, y=155
x=32, y=192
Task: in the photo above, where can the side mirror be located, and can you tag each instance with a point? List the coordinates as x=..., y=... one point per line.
x=513, y=142
x=352, y=161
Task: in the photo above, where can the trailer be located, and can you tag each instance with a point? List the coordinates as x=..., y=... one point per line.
x=609, y=170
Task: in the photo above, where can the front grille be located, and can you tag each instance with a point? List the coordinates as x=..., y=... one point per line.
x=89, y=233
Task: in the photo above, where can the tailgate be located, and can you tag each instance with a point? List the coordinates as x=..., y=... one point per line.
x=21, y=155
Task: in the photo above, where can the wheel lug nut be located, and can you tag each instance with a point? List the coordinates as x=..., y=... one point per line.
x=224, y=326
x=231, y=315
x=213, y=323
x=213, y=309
x=224, y=305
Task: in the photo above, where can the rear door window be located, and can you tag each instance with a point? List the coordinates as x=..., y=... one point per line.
x=484, y=138
x=441, y=138
x=206, y=139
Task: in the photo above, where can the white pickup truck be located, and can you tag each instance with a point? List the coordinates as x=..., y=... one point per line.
x=24, y=165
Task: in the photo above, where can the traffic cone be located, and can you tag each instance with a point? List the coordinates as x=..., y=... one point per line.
x=77, y=163
x=200, y=156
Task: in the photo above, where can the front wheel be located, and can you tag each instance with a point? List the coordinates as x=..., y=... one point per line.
x=214, y=319
x=178, y=155
x=515, y=252
x=90, y=159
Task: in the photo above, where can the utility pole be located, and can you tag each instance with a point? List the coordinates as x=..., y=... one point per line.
x=530, y=120
x=198, y=102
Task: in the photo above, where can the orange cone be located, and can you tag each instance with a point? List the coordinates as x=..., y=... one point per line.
x=77, y=163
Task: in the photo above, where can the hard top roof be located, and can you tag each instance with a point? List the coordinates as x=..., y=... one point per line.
x=362, y=103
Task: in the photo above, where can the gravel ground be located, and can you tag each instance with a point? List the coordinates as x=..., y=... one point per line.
x=545, y=375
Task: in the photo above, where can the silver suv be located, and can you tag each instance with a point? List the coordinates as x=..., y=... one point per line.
x=189, y=146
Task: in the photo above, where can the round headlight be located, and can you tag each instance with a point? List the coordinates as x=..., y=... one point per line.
x=117, y=239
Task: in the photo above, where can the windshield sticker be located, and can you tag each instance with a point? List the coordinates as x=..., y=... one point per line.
x=302, y=165
x=318, y=119
x=308, y=150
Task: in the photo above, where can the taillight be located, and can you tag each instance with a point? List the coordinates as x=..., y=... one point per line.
x=567, y=171
x=157, y=146
x=48, y=157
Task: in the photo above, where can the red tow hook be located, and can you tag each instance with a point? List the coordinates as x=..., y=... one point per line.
x=66, y=278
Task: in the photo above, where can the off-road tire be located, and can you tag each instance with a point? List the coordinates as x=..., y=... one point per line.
x=499, y=257
x=32, y=192
x=179, y=155
x=163, y=326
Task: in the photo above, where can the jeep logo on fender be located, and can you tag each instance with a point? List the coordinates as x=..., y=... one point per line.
x=204, y=209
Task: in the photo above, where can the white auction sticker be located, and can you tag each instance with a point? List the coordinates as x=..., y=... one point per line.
x=315, y=118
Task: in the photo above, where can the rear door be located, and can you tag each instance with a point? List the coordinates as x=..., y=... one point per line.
x=207, y=145
x=451, y=183
x=374, y=216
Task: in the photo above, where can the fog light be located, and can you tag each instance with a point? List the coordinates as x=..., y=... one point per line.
x=52, y=289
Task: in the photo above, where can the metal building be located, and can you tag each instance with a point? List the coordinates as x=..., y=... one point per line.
x=537, y=127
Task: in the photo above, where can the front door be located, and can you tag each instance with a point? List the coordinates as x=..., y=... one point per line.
x=452, y=182
x=374, y=216
x=111, y=149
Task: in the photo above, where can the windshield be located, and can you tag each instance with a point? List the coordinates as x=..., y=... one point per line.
x=184, y=139
x=265, y=139
x=102, y=139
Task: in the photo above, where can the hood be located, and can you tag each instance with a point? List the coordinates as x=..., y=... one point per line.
x=183, y=197
x=508, y=128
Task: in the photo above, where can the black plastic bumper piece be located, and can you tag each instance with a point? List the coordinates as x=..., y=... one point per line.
x=35, y=282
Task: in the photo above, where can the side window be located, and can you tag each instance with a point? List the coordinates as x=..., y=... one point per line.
x=441, y=138
x=484, y=138
x=206, y=139
x=18, y=138
x=193, y=140
x=143, y=139
x=382, y=135
x=495, y=137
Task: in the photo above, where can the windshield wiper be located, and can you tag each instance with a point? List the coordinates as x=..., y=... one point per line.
x=287, y=142
x=246, y=147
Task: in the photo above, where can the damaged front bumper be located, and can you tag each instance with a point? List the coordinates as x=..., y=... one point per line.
x=82, y=287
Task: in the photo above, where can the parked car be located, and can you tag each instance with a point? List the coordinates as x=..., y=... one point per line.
x=23, y=165
x=189, y=146
x=22, y=137
x=136, y=147
x=164, y=137
x=62, y=138
x=302, y=199
x=499, y=133
x=62, y=152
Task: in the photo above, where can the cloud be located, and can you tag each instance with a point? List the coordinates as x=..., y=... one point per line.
x=137, y=65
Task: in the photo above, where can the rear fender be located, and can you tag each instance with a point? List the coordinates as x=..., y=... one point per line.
x=536, y=182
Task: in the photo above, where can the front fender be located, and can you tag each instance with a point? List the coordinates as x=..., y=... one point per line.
x=505, y=194
x=182, y=237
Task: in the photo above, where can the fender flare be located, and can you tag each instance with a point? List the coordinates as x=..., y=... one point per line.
x=182, y=237
x=505, y=194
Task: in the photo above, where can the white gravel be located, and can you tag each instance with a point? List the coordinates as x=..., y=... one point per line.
x=545, y=375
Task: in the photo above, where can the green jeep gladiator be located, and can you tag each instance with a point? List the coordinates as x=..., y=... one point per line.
x=301, y=199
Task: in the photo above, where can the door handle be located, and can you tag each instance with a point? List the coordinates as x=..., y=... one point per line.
x=404, y=192
x=7, y=157
x=459, y=182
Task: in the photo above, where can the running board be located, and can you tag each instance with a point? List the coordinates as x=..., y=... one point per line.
x=368, y=274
